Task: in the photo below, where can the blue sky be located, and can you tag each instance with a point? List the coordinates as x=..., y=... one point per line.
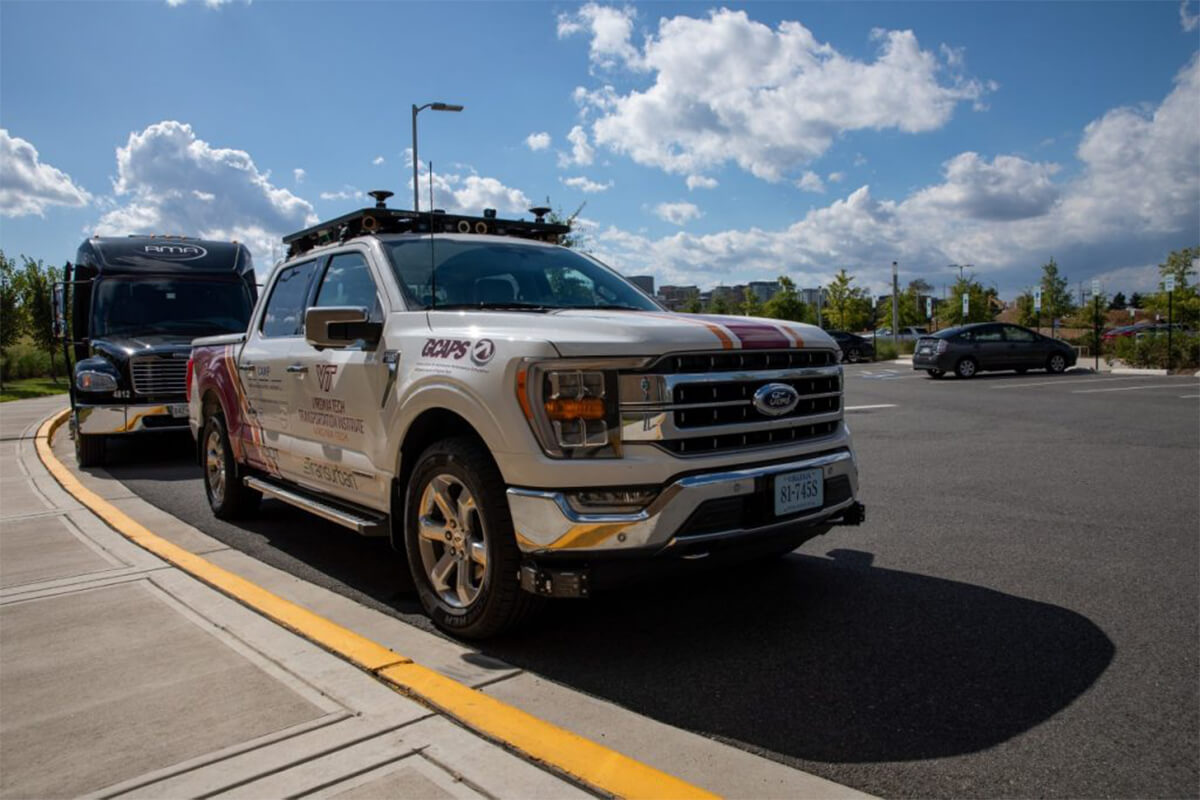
x=712, y=144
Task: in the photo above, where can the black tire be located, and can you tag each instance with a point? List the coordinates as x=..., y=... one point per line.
x=90, y=449
x=1056, y=364
x=966, y=367
x=853, y=355
x=486, y=598
x=935, y=373
x=1022, y=370
x=227, y=496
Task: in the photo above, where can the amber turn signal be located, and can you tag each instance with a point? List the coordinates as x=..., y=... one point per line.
x=579, y=408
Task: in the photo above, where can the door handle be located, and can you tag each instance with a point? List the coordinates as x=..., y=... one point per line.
x=297, y=368
x=246, y=366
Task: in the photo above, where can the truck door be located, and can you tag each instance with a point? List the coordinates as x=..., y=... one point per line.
x=340, y=436
x=262, y=367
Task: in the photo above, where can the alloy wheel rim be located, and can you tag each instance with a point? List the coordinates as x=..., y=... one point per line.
x=1057, y=363
x=967, y=368
x=453, y=540
x=214, y=465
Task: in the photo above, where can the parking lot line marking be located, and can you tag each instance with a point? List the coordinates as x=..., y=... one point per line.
x=864, y=408
x=1065, y=382
x=594, y=766
x=1185, y=396
x=1128, y=388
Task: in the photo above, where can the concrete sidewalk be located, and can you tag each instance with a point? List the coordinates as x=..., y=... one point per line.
x=120, y=675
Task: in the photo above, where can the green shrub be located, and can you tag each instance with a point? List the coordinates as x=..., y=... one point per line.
x=24, y=360
x=885, y=350
x=1151, y=351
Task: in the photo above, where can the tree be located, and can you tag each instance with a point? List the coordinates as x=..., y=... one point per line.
x=842, y=294
x=37, y=292
x=13, y=320
x=693, y=305
x=751, y=306
x=980, y=307
x=786, y=303
x=1184, y=307
x=718, y=304
x=1136, y=300
x=1118, y=302
x=1025, y=312
x=1056, y=298
x=572, y=240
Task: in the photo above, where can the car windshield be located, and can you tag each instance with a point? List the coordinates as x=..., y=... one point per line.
x=169, y=306
x=515, y=276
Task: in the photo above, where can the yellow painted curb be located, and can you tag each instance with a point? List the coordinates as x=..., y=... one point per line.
x=581, y=760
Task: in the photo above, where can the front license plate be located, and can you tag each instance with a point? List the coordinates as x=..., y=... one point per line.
x=796, y=491
x=179, y=410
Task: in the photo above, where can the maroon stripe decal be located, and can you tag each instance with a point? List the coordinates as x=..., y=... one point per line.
x=754, y=335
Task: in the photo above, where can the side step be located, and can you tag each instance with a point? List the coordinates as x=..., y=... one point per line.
x=361, y=522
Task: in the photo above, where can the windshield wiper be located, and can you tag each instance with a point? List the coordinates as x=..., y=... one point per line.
x=512, y=306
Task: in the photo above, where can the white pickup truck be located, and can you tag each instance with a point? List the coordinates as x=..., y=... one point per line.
x=518, y=418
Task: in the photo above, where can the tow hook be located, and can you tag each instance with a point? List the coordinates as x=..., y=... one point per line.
x=854, y=515
x=554, y=582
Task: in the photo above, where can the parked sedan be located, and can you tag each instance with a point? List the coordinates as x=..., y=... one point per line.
x=854, y=347
x=986, y=346
x=908, y=333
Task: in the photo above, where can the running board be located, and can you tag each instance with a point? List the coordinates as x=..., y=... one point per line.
x=359, y=522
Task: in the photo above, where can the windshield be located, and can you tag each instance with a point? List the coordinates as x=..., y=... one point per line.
x=502, y=275
x=169, y=306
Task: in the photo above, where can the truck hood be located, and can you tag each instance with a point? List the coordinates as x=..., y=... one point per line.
x=599, y=332
x=120, y=348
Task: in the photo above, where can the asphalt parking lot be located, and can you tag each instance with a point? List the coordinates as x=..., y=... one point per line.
x=1017, y=617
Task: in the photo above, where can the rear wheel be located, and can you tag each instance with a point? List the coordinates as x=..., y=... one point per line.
x=1056, y=364
x=89, y=449
x=966, y=368
x=228, y=497
x=459, y=538
x=935, y=373
x=853, y=355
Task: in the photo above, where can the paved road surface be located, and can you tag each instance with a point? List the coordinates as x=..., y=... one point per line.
x=1018, y=616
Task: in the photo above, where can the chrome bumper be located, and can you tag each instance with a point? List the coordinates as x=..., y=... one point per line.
x=95, y=420
x=545, y=522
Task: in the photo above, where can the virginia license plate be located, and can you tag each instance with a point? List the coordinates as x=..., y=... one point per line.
x=179, y=410
x=796, y=491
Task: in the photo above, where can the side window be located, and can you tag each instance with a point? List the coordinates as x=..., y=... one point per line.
x=989, y=334
x=1018, y=334
x=348, y=282
x=284, y=315
x=966, y=336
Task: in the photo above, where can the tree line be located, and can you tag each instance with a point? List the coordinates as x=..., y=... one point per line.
x=26, y=311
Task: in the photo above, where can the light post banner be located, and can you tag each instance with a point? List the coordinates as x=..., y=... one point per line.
x=929, y=308
x=966, y=305
x=1037, y=300
x=1095, y=288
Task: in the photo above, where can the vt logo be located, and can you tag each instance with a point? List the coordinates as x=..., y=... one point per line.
x=325, y=373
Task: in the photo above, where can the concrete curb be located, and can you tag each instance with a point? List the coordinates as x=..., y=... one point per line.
x=1137, y=371
x=590, y=765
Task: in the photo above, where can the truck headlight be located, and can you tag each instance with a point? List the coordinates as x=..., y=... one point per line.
x=573, y=406
x=89, y=380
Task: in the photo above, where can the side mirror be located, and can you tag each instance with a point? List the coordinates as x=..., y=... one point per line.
x=58, y=315
x=340, y=326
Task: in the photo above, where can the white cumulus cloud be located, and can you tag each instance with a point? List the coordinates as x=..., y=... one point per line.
x=377, y=160
x=164, y=175
x=27, y=186
x=811, y=182
x=1188, y=20
x=610, y=30
x=587, y=185
x=582, y=153
x=678, y=213
x=470, y=194
x=345, y=193
x=299, y=175
x=836, y=177
x=537, y=141
x=726, y=87
x=701, y=182
x=1006, y=188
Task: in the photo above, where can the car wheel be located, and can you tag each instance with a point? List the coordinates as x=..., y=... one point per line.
x=458, y=535
x=852, y=355
x=89, y=449
x=966, y=368
x=1056, y=364
x=227, y=496
x=935, y=373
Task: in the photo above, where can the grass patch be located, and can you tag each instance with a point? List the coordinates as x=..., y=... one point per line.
x=32, y=387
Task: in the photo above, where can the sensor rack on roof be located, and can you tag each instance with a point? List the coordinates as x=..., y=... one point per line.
x=388, y=220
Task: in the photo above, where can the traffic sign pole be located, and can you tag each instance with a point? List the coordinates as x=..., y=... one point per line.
x=1169, y=285
x=1096, y=320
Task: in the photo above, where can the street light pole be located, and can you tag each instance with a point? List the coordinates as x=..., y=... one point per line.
x=416, y=162
x=895, y=308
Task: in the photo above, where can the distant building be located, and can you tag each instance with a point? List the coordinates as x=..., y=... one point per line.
x=809, y=296
x=643, y=282
x=764, y=290
x=732, y=295
x=675, y=297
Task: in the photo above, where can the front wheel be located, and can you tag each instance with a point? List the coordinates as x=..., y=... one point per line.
x=459, y=538
x=228, y=497
x=1056, y=364
x=966, y=368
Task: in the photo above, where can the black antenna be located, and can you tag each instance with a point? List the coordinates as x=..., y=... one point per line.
x=432, y=258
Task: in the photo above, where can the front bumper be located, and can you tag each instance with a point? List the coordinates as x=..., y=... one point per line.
x=696, y=508
x=114, y=419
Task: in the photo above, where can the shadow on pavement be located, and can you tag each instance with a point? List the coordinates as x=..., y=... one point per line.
x=823, y=659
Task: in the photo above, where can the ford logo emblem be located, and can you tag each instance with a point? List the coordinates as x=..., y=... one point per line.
x=776, y=399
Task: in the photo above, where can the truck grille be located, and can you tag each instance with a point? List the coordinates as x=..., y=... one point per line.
x=696, y=413
x=154, y=376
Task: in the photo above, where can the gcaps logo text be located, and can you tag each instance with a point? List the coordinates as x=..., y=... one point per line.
x=445, y=348
x=175, y=252
x=325, y=373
